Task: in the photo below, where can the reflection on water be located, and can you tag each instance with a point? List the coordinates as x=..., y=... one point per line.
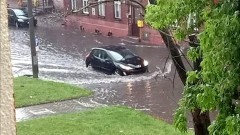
x=64, y=60
x=129, y=88
x=148, y=89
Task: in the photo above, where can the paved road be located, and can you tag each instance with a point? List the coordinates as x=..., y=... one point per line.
x=61, y=58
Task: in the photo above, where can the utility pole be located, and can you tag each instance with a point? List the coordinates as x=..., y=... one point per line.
x=7, y=108
x=32, y=41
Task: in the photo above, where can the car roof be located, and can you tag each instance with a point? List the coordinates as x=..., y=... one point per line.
x=111, y=47
x=15, y=9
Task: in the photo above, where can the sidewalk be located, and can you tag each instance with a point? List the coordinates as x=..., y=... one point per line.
x=42, y=110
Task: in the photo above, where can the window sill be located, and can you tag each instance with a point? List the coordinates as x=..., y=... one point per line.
x=74, y=11
x=85, y=14
x=102, y=17
x=118, y=19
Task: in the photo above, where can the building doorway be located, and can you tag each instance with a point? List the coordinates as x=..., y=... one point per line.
x=133, y=18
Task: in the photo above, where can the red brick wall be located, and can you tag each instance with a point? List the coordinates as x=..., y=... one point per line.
x=153, y=36
x=144, y=2
x=67, y=4
x=119, y=28
x=125, y=11
x=90, y=24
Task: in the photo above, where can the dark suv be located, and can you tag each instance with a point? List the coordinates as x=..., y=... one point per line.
x=116, y=59
x=19, y=17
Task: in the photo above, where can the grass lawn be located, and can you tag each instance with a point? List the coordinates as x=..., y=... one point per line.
x=30, y=91
x=100, y=121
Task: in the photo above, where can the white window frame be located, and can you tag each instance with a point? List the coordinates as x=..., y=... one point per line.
x=74, y=4
x=117, y=9
x=85, y=10
x=101, y=8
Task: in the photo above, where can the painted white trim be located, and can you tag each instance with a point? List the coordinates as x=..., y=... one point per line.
x=85, y=10
x=41, y=111
x=101, y=9
x=118, y=5
x=74, y=4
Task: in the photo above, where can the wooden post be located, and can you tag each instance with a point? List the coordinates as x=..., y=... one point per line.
x=7, y=108
x=140, y=34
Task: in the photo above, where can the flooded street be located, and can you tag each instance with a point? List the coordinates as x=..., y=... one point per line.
x=62, y=58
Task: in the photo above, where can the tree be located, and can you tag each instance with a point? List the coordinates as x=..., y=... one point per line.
x=215, y=86
x=201, y=120
x=7, y=109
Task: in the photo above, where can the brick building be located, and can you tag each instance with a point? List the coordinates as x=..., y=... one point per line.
x=118, y=18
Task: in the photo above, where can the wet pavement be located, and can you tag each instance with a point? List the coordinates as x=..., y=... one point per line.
x=61, y=58
x=56, y=108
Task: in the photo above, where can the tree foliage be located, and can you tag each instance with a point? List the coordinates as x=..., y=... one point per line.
x=216, y=86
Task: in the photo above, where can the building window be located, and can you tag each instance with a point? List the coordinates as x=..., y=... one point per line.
x=117, y=9
x=85, y=10
x=74, y=4
x=101, y=8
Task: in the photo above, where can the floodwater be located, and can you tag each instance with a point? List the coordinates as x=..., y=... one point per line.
x=61, y=58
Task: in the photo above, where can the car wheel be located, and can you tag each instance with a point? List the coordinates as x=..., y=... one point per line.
x=16, y=24
x=147, y=70
x=119, y=72
x=87, y=64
